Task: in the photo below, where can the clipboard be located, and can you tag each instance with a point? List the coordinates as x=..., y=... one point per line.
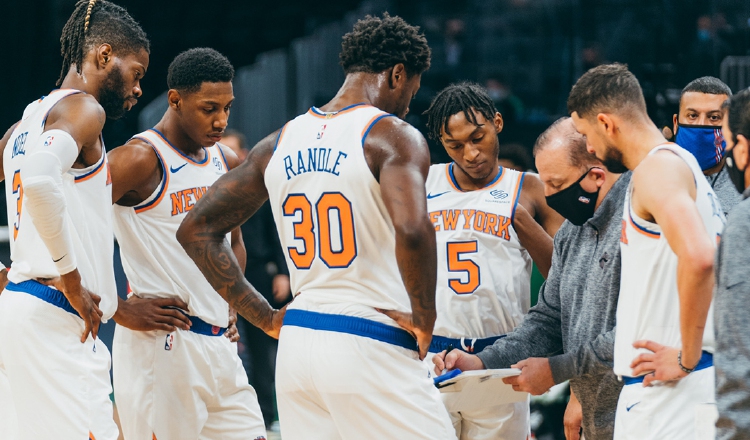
x=473, y=390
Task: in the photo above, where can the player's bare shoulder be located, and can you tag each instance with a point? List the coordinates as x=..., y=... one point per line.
x=136, y=172
x=392, y=139
x=81, y=115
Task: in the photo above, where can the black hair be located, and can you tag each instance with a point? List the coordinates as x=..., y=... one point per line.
x=707, y=84
x=456, y=98
x=376, y=43
x=739, y=114
x=96, y=22
x=195, y=66
x=609, y=88
x=574, y=142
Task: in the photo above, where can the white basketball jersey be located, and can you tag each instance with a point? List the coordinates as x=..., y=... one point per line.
x=88, y=196
x=333, y=225
x=649, y=305
x=483, y=284
x=155, y=263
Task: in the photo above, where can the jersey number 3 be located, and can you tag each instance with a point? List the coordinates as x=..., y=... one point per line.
x=459, y=262
x=335, y=233
x=17, y=189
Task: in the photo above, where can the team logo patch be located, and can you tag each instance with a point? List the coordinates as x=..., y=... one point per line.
x=498, y=194
x=215, y=330
x=168, y=343
x=48, y=141
x=583, y=199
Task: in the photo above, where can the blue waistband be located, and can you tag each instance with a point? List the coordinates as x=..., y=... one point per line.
x=707, y=360
x=351, y=325
x=45, y=293
x=203, y=328
x=469, y=345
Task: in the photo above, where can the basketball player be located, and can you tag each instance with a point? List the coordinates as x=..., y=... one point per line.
x=59, y=202
x=671, y=223
x=484, y=262
x=698, y=130
x=157, y=177
x=346, y=185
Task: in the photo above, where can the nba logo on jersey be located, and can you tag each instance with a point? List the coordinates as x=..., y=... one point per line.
x=259, y=438
x=321, y=131
x=49, y=140
x=168, y=343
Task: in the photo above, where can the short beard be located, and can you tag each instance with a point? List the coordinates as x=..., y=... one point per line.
x=110, y=94
x=613, y=161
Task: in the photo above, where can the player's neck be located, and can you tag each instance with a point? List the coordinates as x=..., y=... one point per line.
x=180, y=140
x=467, y=183
x=642, y=137
x=359, y=87
x=85, y=82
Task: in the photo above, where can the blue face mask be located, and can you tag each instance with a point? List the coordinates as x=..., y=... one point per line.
x=705, y=142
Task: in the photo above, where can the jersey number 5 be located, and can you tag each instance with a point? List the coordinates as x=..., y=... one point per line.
x=467, y=269
x=17, y=189
x=335, y=235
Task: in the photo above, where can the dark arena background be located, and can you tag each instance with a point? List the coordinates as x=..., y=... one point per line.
x=527, y=53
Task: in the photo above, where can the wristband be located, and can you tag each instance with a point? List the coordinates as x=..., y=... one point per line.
x=684, y=368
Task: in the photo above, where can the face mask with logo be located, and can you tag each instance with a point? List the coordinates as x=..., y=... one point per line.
x=735, y=173
x=705, y=142
x=574, y=203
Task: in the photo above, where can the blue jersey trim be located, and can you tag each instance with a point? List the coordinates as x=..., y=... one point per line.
x=164, y=177
x=45, y=293
x=518, y=196
x=278, y=137
x=44, y=120
x=188, y=158
x=707, y=360
x=224, y=158
x=202, y=327
x=646, y=230
x=97, y=168
x=372, y=124
x=440, y=343
x=455, y=182
x=351, y=325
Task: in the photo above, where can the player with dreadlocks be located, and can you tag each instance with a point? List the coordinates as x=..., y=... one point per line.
x=485, y=218
x=59, y=203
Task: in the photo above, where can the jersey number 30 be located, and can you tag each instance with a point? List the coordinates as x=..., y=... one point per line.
x=459, y=262
x=334, y=255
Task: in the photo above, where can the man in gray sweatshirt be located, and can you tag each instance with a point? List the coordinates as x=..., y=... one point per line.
x=569, y=334
x=731, y=319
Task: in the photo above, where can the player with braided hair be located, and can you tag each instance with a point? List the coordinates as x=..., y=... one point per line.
x=59, y=199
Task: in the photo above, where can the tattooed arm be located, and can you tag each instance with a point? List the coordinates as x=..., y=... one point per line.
x=226, y=205
x=400, y=160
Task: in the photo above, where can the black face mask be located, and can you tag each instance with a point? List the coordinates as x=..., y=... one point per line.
x=574, y=203
x=737, y=175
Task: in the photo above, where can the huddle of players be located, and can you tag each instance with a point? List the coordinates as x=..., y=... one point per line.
x=393, y=260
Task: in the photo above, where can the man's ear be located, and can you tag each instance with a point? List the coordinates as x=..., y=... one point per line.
x=398, y=75
x=103, y=55
x=599, y=174
x=741, y=152
x=607, y=123
x=174, y=99
x=674, y=125
x=498, y=121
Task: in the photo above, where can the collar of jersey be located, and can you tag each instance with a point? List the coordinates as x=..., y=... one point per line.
x=454, y=182
x=178, y=151
x=317, y=112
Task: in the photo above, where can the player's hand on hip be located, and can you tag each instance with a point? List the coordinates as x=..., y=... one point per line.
x=535, y=378
x=85, y=302
x=661, y=364
x=232, y=333
x=456, y=359
x=281, y=288
x=277, y=320
x=421, y=333
x=146, y=314
x=573, y=418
